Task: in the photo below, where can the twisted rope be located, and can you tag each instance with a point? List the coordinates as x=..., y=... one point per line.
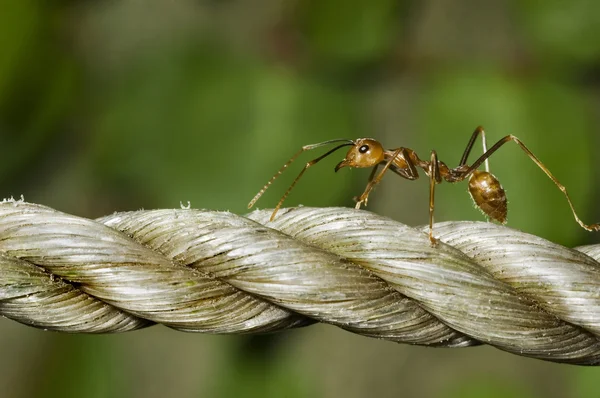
x=216, y=272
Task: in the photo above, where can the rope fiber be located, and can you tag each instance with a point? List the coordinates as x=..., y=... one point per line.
x=217, y=272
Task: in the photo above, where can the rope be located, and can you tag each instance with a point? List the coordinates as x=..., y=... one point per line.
x=216, y=272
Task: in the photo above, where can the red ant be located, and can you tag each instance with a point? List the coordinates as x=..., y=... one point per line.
x=484, y=187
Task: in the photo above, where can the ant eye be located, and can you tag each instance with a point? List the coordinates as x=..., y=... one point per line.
x=363, y=149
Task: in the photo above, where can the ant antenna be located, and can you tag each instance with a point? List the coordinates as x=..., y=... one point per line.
x=285, y=166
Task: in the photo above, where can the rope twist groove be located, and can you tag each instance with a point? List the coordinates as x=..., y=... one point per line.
x=216, y=272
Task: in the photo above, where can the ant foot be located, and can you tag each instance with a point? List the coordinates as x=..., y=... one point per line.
x=591, y=227
x=360, y=200
x=433, y=241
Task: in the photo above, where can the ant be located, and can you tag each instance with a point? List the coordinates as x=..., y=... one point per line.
x=484, y=187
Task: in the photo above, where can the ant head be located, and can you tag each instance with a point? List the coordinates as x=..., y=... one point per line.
x=366, y=152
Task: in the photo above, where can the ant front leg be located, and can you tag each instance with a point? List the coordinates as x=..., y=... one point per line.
x=364, y=198
x=434, y=178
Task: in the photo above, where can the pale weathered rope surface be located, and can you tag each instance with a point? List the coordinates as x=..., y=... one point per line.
x=217, y=272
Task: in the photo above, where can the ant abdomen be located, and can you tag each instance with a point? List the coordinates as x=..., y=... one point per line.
x=488, y=195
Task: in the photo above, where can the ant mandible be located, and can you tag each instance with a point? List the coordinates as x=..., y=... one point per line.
x=484, y=187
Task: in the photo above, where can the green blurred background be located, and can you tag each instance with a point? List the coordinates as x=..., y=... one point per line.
x=121, y=105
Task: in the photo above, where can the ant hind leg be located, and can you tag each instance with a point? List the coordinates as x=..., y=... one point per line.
x=478, y=131
x=508, y=138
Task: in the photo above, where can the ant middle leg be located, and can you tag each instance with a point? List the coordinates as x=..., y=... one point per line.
x=434, y=178
x=508, y=138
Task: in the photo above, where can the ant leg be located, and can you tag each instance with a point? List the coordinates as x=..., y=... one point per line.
x=434, y=178
x=409, y=171
x=357, y=198
x=364, y=198
x=508, y=138
x=372, y=173
x=478, y=131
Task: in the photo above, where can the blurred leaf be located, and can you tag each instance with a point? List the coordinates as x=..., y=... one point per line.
x=562, y=31
x=585, y=383
x=548, y=117
x=210, y=129
x=353, y=31
x=37, y=84
x=76, y=363
x=173, y=126
x=19, y=29
x=279, y=375
x=489, y=388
